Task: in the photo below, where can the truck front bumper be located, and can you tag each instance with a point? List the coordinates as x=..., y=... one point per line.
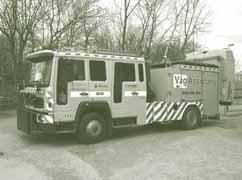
x=27, y=122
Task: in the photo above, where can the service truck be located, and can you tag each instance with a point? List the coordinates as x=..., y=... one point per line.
x=90, y=94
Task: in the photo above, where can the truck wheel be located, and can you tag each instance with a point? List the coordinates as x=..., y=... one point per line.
x=191, y=118
x=91, y=128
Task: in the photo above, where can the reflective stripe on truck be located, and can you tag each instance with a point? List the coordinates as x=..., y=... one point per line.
x=161, y=111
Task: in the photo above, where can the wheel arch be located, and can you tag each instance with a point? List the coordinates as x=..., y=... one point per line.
x=186, y=106
x=196, y=107
x=99, y=107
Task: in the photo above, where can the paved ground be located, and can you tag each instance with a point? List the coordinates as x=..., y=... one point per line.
x=213, y=151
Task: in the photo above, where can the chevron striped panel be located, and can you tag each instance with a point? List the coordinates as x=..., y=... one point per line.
x=160, y=111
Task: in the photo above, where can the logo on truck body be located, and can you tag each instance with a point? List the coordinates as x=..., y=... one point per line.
x=182, y=81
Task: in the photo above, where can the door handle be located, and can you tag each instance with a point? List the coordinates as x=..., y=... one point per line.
x=135, y=93
x=84, y=94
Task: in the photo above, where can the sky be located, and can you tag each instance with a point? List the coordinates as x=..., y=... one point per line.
x=225, y=28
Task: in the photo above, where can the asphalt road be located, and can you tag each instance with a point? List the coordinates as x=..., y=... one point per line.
x=214, y=151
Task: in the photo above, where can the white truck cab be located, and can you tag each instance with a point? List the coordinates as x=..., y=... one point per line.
x=65, y=87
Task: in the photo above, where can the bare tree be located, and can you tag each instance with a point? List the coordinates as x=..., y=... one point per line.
x=125, y=12
x=59, y=16
x=91, y=24
x=195, y=19
x=51, y=22
x=156, y=8
x=8, y=20
x=104, y=38
x=18, y=19
x=79, y=34
x=143, y=13
x=62, y=20
x=187, y=18
x=176, y=10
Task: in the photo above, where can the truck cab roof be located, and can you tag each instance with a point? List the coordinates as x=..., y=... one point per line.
x=82, y=54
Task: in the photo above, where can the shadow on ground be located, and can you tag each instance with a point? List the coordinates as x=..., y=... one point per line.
x=122, y=133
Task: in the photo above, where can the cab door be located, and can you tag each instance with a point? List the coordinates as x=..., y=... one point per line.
x=71, y=88
x=129, y=94
x=100, y=81
x=141, y=92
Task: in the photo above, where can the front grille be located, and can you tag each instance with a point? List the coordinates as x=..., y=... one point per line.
x=33, y=100
x=38, y=103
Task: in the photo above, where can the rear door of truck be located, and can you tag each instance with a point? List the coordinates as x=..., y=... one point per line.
x=210, y=92
x=129, y=93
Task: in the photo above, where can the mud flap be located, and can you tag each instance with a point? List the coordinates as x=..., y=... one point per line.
x=23, y=120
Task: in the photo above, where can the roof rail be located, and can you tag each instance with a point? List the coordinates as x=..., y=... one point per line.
x=96, y=51
x=116, y=53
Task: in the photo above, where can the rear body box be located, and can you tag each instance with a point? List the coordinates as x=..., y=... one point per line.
x=188, y=83
x=224, y=59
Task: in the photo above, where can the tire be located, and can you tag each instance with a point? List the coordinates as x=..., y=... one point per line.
x=191, y=118
x=91, y=129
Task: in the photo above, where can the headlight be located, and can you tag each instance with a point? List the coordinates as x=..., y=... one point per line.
x=45, y=119
x=49, y=104
x=49, y=92
x=49, y=99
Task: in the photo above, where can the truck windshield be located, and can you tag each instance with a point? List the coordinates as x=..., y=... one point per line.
x=40, y=72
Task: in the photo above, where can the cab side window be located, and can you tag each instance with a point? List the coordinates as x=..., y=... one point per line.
x=141, y=72
x=123, y=72
x=97, y=70
x=68, y=71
